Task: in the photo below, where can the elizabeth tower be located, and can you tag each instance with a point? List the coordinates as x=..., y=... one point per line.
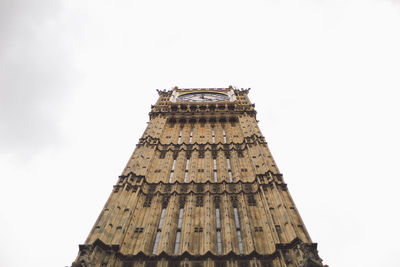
x=200, y=190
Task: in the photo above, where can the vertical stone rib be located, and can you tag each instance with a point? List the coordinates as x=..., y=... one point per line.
x=209, y=227
x=270, y=223
x=120, y=221
x=126, y=240
x=169, y=228
x=100, y=222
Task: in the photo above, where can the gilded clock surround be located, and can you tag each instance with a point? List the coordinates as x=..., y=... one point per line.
x=178, y=93
x=202, y=97
x=201, y=189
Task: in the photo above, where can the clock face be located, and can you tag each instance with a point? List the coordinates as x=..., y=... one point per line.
x=203, y=97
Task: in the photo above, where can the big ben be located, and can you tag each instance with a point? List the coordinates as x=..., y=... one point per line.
x=201, y=189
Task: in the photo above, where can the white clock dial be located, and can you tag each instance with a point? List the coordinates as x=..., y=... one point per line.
x=203, y=97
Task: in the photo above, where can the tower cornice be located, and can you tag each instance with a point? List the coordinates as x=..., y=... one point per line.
x=307, y=250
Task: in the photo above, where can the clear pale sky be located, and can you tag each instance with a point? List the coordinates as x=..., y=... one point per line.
x=77, y=79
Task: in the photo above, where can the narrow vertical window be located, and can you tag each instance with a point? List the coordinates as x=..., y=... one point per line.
x=178, y=231
x=215, y=170
x=239, y=235
x=173, y=165
x=180, y=218
x=180, y=135
x=186, y=170
x=218, y=223
x=223, y=132
x=161, y=219
x=159, y=231
x=219, y=244
x=236, y=214
x=228, y=162
x=213, y=134
x=171, y=174
x=218, y=218
x=191, y=135
x=238, y=230
x=177, y=241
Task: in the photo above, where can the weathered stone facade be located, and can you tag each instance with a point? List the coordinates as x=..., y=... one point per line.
x=200, y=190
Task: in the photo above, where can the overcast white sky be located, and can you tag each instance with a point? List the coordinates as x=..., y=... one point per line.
x=77, y=79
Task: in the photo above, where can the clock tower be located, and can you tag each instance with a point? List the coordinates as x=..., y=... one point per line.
x=201, y=189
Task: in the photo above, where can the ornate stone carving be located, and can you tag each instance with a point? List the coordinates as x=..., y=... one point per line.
x=309, y=256
x=84, y=259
